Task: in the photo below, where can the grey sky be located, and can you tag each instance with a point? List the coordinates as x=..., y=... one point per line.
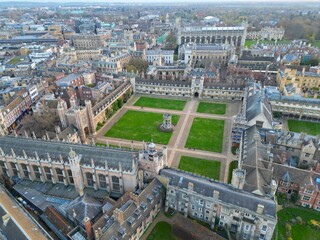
x=150, y=1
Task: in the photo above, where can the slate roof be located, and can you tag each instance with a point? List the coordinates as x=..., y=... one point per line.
x=133, y=214
x=83, y=207
x=56, y=149
x=227, y=193
x=255, y=161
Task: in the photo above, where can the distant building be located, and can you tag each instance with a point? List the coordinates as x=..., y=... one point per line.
x=87, y=42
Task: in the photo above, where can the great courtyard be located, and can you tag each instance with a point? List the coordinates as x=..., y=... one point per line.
x=200, y=131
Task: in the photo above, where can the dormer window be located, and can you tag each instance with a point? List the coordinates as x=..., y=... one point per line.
x=143, y=206
x=150, y=198
x=137, y=213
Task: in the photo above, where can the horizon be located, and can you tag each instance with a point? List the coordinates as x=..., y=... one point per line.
x=163, y=1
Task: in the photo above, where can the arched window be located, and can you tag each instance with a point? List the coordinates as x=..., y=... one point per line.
x=25, y=170
x=48, y=173
x=59, y=174
x=102, y=181
x=14, y=169
x=89, y=177
x=36, y=171
x=115, y=183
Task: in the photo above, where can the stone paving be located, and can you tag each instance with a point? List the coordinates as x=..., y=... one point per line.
x=179, y=137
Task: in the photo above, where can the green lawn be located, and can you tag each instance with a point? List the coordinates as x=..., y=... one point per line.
x=161, y=103
x=249, y=43
x=303, y=231
x=302, y=126
x=233, y=165
x=316, y=44
x=141, y=126
x=14, y=60
x=161, y=231
x=203, y=167
x=212, y=108
x=206, y=134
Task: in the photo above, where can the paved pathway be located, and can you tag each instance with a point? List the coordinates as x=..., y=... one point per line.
x=179, y=137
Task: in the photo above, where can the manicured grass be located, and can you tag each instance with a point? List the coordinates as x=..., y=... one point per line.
x=141, y=126
x=303, y=126
x=14, y=60
x=212, y=108
x=203, y=167
x=249, y=43
x=303, y=231
x=316, y=44
x=161, y=231
x=232, y=165
x=161, y=103
x=206, y=134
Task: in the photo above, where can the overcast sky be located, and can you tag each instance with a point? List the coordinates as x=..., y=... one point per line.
x=150, y=1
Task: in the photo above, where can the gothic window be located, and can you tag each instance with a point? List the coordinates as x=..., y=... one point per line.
x=25, y=170
x=59, y=174
x=3, y=167
x=14, y=169
x=48, y=173
x=36, y=171
x=70, y=176
x=102, y=181
x=89, y=179
x=115, y=183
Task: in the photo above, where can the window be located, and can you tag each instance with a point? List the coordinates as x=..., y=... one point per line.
x=14, y=169
x=308, y=191
x=307, y=154
x=306, y=198
x=102, y=181
x=89, y=177
x=25, y=170
x=115, y=183
x=200, y=209
x=208, y=204
x=36, y=171
x=201, y=202
x=48, y=173
x=70, y=176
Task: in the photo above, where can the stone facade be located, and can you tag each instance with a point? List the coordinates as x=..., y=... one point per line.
x=83, y=166
x=245, y=215
x=267, y=33
x=194, y=88
x=235, y=36
x=86, y=42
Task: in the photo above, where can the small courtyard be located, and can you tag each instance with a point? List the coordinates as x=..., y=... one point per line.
x=298, y=126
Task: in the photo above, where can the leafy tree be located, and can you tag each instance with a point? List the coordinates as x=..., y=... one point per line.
x=170, y=42
x=137, y=64
x=294, y=197
x=314, y=62
x=119, y=103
